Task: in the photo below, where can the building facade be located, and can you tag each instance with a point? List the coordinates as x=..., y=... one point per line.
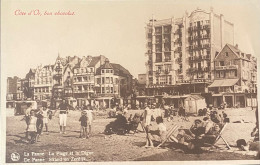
x=43, y=82
x=12, y=88
x=181, y=51
x=29, y=84
x=113, y=84
x=234, y=78
x=84, y=78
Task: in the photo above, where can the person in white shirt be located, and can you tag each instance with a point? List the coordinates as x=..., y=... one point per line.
x=147, y=115
x=161, y=132
x=45, y=114
x=89, y=114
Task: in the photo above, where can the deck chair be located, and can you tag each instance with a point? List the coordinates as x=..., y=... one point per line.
x=219, y=137
x=170, y=135
x=139, y=123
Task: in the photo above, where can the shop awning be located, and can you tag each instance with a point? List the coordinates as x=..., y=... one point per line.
x=223, y=83
x=144, y=97
x=217, y=95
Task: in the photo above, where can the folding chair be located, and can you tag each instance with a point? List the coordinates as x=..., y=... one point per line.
x=139, y=123
x=170, y=135
x=218, y=137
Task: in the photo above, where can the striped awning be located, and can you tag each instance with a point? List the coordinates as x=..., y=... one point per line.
x=223, y=83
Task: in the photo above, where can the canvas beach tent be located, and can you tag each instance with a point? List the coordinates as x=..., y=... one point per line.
x=193, y=103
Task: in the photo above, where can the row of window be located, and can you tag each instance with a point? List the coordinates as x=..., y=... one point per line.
x=83, y=79
x=83, y=70
x=164, y=80
x=226, y=74
x=203, y=64
x=44, y=81
x=107, y=80
x=107, y=71
x=43, y=74
x=201, y=52
x=43, y=89
x=163, y=67
x=201, y=42
x=199, y=23
x=84, y=88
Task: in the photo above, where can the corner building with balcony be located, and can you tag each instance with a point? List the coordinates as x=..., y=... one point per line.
x=181, y=52
x=235, y=75
x=113, y=84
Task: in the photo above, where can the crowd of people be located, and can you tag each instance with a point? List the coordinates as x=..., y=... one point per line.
x=36, y=120
x=202, y=132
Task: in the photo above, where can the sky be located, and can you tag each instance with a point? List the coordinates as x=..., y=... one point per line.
x=115, y=29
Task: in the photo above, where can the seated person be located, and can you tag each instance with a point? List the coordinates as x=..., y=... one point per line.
x=197, y=128
x=130, y=118
x=207, y=124
x=158, y=135
x=195, y=131
x=183, y=137
x=135, y=121
x=211, y=135
x=253, y=145
x=216, y=118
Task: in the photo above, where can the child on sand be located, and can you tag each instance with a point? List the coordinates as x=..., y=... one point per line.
x=32, y=127
x=83, y=121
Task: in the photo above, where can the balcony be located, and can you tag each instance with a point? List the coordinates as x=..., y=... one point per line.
x=68, y=95
x=158, y=60
x=167, y=49
x=179, y=60
x=206, y=57
x=194, y=28
x=206, y=27
x=178, y=31
x=158, y=50
x=158, y=72
x=166, y=71
x=206, y=69
x=206, y=46
x=177, y=41
x=220, y=68
x=83, y=82
x=229, y=67
x=158, y=32
x=167, y=60
x=166, y=31
x=191, y=58
x=83, y=91
x=232, y=67
x=205, y=36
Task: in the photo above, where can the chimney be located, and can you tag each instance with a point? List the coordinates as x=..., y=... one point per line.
x=236, y=46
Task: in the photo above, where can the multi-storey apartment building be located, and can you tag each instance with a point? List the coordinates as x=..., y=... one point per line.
x=181, y=51
x=113, y=84
x=234, y=78
x=84, y=78
x=62, y=75
x=43, y=82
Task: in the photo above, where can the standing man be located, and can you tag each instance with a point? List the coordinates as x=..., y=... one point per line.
x=89, y=113
x=63, y=107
